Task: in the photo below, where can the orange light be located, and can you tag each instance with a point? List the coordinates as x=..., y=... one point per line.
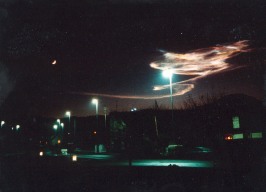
x=59, y=141
x=228, y=138
x=94, y=132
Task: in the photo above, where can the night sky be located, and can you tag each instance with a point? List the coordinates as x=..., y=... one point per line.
x=106, y=47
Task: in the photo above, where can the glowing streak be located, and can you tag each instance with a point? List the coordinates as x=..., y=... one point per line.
x=181, y=90
x=195, y=64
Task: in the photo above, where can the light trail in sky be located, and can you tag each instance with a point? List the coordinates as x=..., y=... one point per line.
x=195, y=65
x=198, y=64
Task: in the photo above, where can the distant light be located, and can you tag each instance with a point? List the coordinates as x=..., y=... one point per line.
x=68, y=133
x=68, y=113
x=17, y=127
x=58, y=141
x=95, y=101
x=41, y=153
x=168, y=73
x=2, y=123
x=74, y=158
x=58, y=120
x=55, y=127
x=228, y=137
x=94, y=132
x=62, y=125
x=54, y=62
x=133, y=109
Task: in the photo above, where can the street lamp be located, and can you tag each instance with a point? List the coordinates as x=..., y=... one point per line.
x=168, y=74
x=55, y=127
x=58, y=121
x=68, y=113
x=95, y=102
x=2, y=123
x=17, y=127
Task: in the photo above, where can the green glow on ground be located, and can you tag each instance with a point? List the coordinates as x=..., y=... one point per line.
x=164, y=163
x=180, y=163
x=96, y=156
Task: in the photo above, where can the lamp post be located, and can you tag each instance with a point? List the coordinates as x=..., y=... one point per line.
x=55, y=127
x=58, y=121
x=168, y=74
x=68, y=113
x=2, y=123
x=105, y=110
x=96, y=102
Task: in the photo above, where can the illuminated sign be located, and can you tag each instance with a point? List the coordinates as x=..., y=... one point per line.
x=236, y=123
x=256, y=135
x=238, y=136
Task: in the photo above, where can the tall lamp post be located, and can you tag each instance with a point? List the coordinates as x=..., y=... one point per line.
x=68, y=113
x=168, y=74
x=96, y=102
x=2, y=123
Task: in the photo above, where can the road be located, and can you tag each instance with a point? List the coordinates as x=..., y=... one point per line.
x=117, y=160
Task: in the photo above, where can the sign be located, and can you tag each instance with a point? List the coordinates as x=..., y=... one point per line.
x=236, y=123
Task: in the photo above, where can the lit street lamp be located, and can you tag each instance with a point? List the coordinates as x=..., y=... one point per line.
x=55, y=127
x=68, y=113
x=2, y=123
x=58, y=121
x=168, y=74
x=95, y=102
x=17, y=127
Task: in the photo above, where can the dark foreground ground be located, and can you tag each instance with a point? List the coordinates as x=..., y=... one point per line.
x=32, y=173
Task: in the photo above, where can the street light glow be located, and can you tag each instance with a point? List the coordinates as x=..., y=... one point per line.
x=168, y=73
x=74, y=158
x=95, y=101
x=2, y=123
x=55, y=127
x=62, y=125
x=68, y=113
